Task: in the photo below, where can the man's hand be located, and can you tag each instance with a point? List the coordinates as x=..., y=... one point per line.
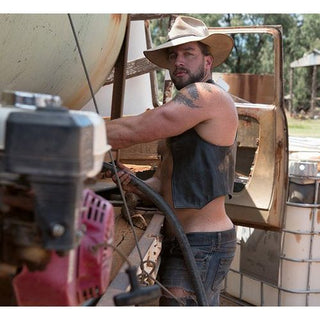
x=124, y=178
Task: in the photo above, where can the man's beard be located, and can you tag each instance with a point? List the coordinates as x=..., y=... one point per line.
x=196, y=77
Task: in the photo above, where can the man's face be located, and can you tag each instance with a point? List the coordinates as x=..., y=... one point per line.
x=188, y=64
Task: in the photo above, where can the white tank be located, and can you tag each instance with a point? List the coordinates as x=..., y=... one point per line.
x=39, y=54
x=298, y=255
x=137, y=94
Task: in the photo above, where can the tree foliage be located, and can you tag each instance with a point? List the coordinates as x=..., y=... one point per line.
x=253, y=53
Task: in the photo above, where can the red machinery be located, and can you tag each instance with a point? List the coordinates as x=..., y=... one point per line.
x=53, y=232
x=80, y=275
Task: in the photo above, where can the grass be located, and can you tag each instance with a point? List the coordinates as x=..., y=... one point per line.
x=304, y=127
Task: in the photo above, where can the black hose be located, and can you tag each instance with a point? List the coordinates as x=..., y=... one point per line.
x=162, y=205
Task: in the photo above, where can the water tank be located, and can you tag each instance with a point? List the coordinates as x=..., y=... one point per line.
x=39, y=54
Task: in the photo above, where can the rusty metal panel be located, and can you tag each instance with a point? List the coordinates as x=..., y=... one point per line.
x=260, y=253
x=263, y=142
x=254, y=88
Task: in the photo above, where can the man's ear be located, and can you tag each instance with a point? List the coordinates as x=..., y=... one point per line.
x=209, y=61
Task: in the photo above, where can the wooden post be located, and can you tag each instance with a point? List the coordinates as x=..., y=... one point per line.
x=153, y=75
x=313, y=91
x=119, y=81
x=291, y=95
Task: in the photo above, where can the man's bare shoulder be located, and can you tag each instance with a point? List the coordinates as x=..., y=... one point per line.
x=202, y=94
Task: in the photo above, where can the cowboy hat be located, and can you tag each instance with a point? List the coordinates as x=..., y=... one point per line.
x=188, y=29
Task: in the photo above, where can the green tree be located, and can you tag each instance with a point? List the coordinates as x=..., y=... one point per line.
x=304, y=38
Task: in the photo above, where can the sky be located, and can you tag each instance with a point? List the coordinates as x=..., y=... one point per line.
x=160, y=6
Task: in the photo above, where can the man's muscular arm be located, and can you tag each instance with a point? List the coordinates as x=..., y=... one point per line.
x=192, y=105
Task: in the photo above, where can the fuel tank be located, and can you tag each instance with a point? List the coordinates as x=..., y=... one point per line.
x=39, y=53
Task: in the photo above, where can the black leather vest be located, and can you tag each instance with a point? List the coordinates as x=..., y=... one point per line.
x=201, y=171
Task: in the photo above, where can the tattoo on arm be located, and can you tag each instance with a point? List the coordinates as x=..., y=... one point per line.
x=193, y=92
x=183, y=99
x=188, y=98
x=191, y=96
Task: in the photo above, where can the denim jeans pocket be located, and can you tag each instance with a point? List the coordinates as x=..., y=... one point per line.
x=222, y=270
x=201, y=257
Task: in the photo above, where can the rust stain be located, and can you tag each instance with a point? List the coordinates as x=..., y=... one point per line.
x=298, y=237
x=116, y=18
x=246, y=122
x=275, y=205
x=251, y=87
x=318, y=216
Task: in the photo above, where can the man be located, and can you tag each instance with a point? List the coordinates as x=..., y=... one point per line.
x=198, y=131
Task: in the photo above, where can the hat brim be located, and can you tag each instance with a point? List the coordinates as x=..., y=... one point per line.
x=220, y=47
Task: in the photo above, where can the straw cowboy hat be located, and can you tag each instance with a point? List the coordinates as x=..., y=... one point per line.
x=187, y=29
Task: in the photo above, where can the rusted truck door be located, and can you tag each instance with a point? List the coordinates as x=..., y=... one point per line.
x=262, y=157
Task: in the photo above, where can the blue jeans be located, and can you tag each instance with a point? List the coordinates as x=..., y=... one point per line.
x=213, y=252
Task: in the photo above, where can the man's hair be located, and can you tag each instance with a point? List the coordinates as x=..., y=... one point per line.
x=205, y=49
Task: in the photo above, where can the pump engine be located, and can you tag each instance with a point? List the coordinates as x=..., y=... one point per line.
x=54, y=232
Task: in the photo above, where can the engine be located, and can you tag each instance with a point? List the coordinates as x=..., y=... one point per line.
x=54, y=232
